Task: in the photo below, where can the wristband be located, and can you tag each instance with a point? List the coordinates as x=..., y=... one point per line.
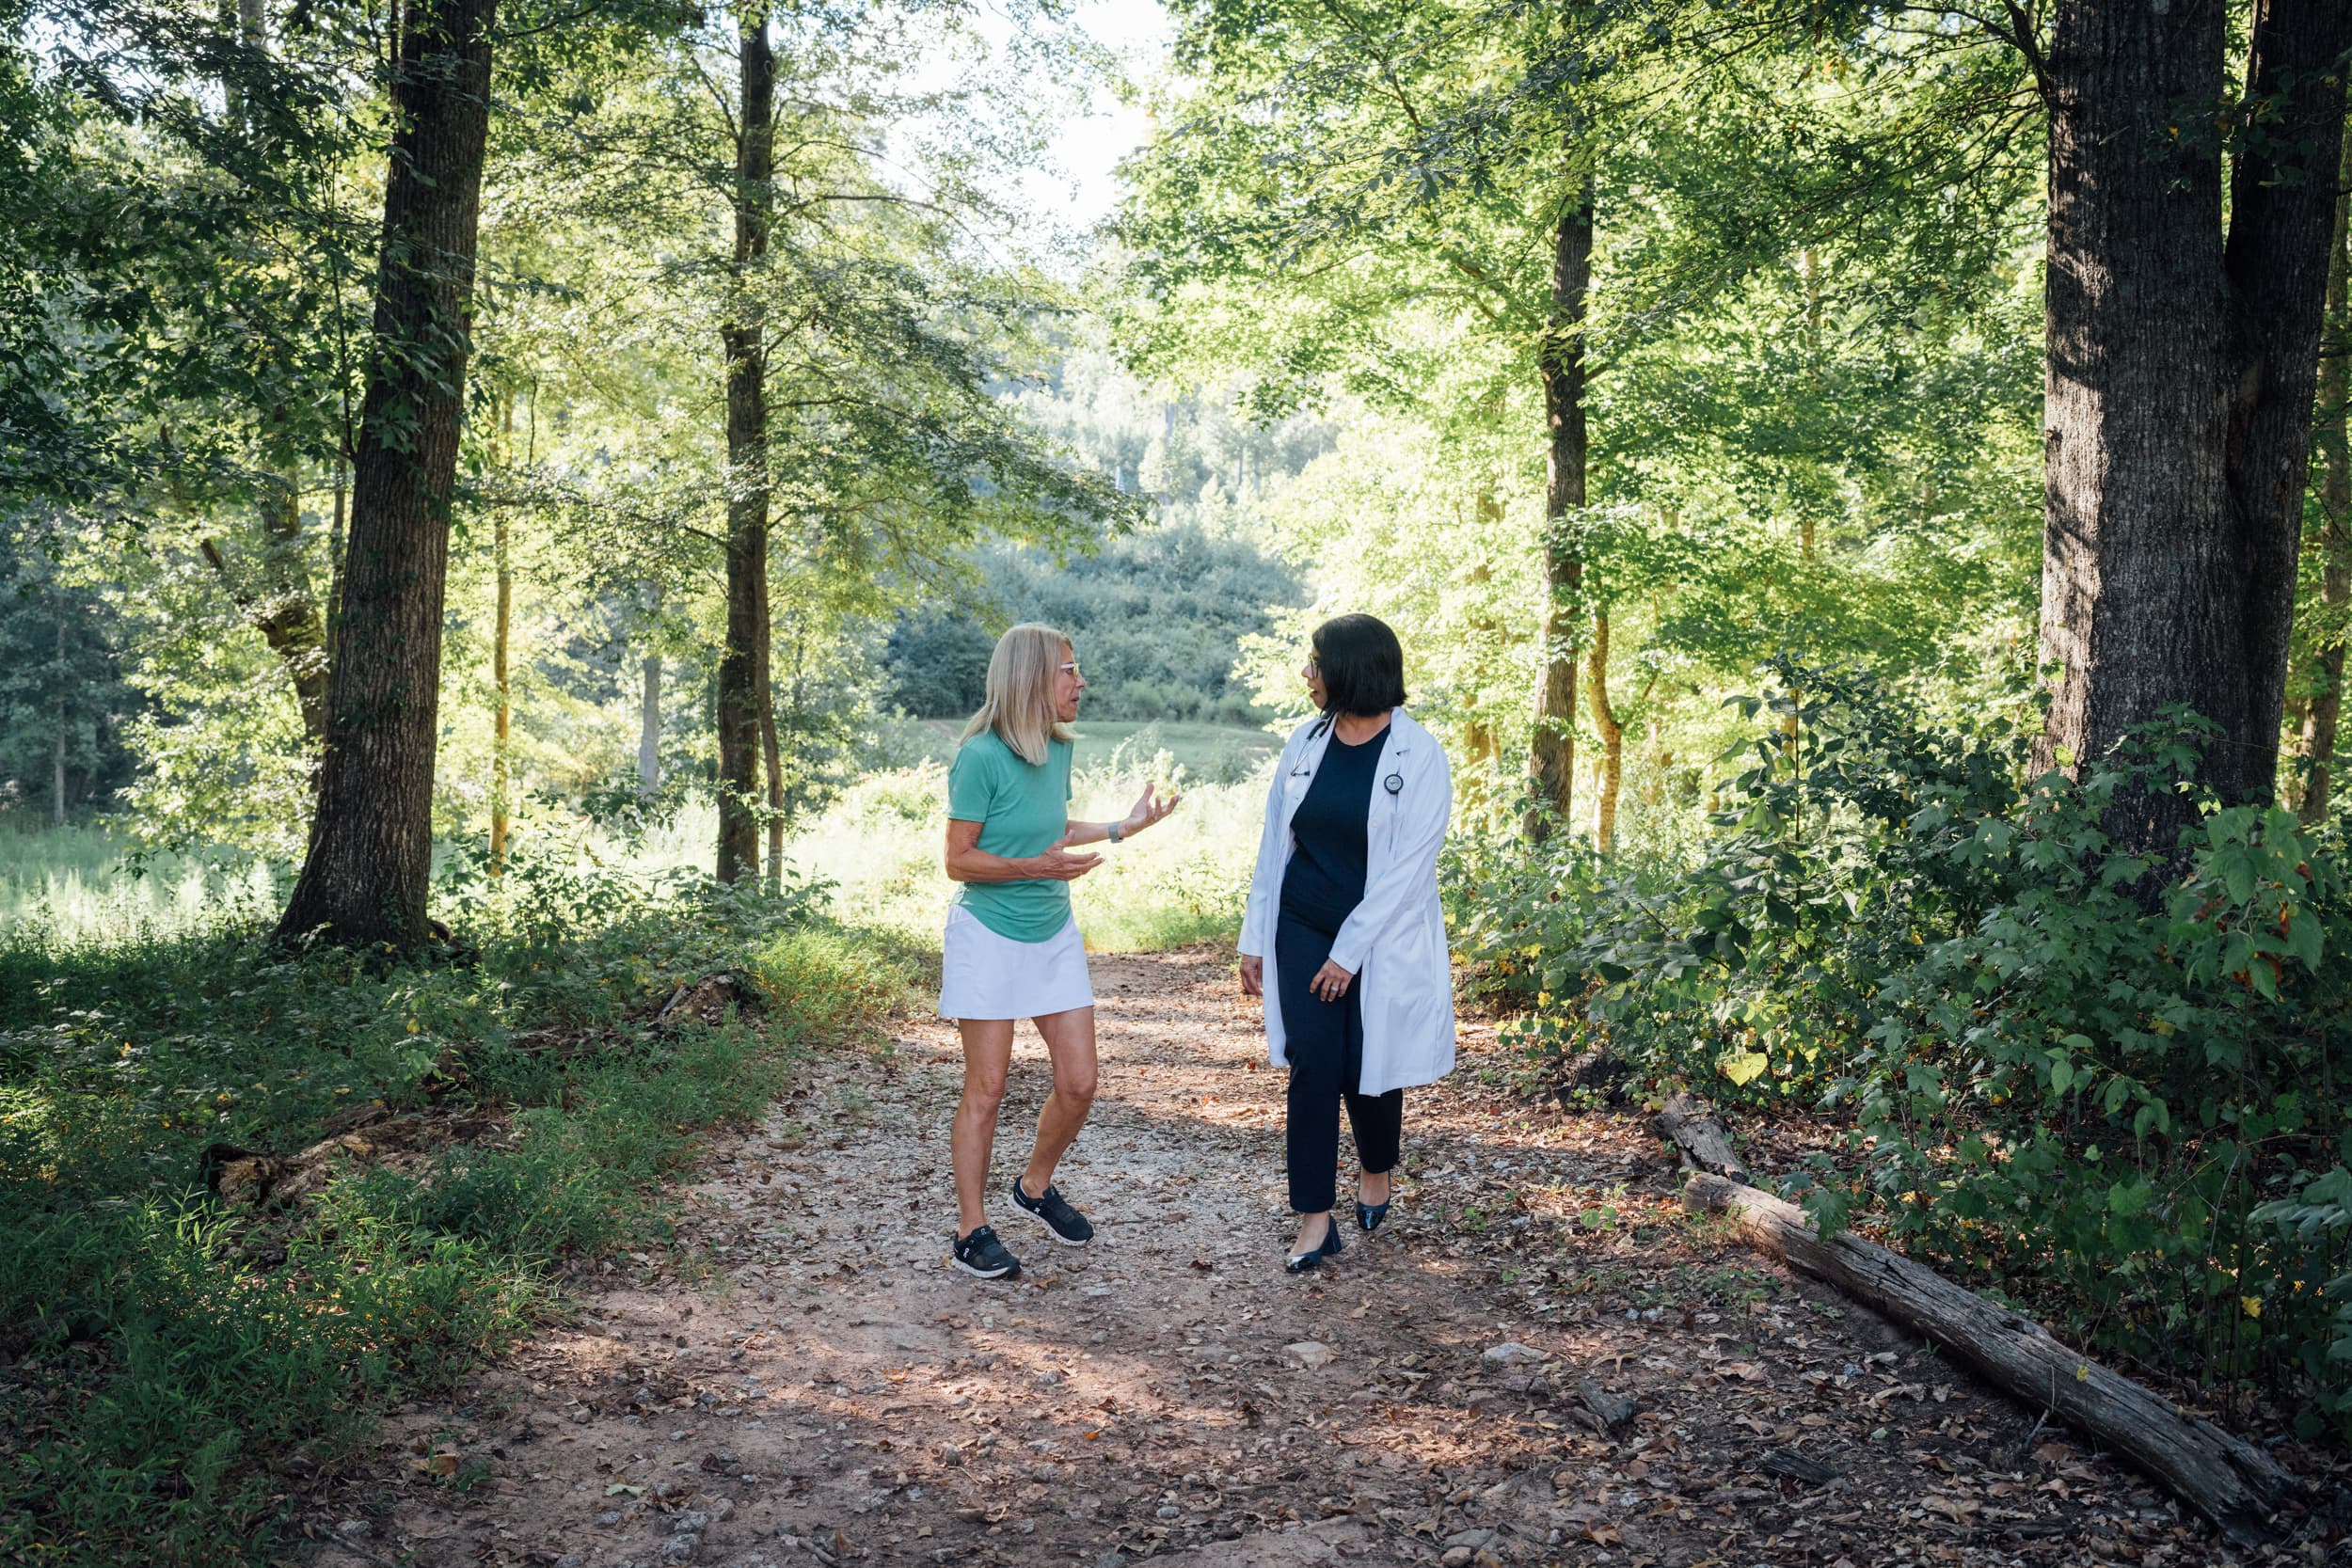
x=1111, y=829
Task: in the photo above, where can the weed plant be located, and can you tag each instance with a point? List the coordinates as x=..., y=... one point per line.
x=175, y=1373
x=2101, y=1080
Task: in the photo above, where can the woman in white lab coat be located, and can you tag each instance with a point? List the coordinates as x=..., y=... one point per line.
x=1344, y=936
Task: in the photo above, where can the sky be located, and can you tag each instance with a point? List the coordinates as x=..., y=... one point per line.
x=1088, y=148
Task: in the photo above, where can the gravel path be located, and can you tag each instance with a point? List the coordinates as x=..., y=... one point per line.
x=804, y=1381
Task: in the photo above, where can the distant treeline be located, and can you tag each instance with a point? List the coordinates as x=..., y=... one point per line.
x=1159, y=619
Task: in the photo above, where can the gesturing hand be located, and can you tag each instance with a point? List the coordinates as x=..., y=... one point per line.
x=1330, y=982
x=1252, y=974
x=1150, y=808
x=1057, y=865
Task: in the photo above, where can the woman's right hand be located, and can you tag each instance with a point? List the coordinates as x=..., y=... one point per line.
x=1057, y=865
x=1252, y=974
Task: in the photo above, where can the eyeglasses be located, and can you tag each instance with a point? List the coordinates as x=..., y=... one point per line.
x=1070, y=669
x=1314, y=667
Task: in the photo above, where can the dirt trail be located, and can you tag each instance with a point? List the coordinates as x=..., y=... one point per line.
x=807, y=1383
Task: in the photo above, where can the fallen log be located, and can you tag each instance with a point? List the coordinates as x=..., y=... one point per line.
x=2223, y=1477
x=1690, y=1123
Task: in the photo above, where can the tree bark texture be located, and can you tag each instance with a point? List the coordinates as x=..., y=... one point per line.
x=2179, y=378
x=2335, y=515
x=1560, y=361
x=649, y=730
x=743, y=665
x=2223, y=1477
x=2282, y=216
x=370, y=854
x=1612, y=742
x=500, y=768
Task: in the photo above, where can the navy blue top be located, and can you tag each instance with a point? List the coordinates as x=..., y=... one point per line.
x=1324, y=881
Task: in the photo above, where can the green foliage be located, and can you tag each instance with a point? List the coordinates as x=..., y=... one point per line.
x=2102, y=1081
x=176, y=1360
x=1159, y=618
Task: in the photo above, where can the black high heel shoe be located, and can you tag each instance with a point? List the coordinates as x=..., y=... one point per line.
x=1369, y=1215
x=1300, y=1263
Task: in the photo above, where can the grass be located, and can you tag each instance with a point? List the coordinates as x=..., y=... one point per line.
x=177, y=1373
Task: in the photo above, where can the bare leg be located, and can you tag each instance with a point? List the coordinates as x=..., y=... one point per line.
x=1372, y=1188
x=1070, y=1041
x=971, y=1137
x=1313, y=1229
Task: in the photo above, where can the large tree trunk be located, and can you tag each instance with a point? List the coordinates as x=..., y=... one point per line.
x=2335, y=516
x=1559, y=360
x=2180, y=379
x=2134, y=547
x=371, y=856
x=741, y=667
x=1612, y=742
x=2283, y=214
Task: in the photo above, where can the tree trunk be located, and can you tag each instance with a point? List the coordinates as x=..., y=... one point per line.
x=370, y=855
x=2283, y=217
x=1612, y=742
x=775, y=762
x=56, y=776
x=1559, y=360
x=741, y=667
x=2179, y=381
x=500, y=781
x=2335, y=517
x=277, y=602
x=649, y=731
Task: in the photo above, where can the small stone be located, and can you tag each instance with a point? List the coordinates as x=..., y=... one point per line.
x=680, y=1548
x=609, y=1517
x=950, y=1454
x=1111, y=1560
x=693, y=1522
x=1307, y=1354
x=1512, y=1353
x=1455, y=1557
x=353, y=1527
x=571, y=1560
x=1048, y=1380
x=1170, y=1510
x=1472, y=1539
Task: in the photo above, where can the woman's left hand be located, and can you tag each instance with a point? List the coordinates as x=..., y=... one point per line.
x=1150, y=807
x=1330, y=982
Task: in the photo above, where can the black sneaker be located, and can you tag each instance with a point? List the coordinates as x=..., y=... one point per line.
x=1069, y=1227
x=982, y=1254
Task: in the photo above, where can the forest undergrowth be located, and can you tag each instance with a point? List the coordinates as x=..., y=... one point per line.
x=2097, y=1083
x=184, y=1368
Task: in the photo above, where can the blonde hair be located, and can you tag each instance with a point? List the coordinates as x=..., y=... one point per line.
x=1020, y=705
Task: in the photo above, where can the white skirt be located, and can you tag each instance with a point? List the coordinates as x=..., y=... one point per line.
x=985, y=976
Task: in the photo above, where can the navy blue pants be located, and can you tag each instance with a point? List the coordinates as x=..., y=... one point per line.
x=1324, y=1041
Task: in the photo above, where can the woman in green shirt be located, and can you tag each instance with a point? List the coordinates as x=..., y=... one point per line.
x=1012, y=949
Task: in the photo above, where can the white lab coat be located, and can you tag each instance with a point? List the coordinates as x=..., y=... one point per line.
x=1395, y=943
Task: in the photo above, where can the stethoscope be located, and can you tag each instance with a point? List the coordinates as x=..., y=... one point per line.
x=1393, y=784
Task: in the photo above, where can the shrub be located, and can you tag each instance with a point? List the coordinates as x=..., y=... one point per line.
x=2101, y=1078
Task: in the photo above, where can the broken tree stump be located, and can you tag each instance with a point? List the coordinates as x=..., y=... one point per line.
x=1690, y=1124
x=2221, y=1476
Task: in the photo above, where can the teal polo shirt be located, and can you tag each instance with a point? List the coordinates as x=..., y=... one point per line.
x=1023, y=808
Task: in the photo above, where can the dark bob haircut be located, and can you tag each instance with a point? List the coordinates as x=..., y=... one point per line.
x=1363, y=667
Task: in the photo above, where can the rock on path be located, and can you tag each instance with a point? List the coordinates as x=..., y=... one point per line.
x=806, y=1381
